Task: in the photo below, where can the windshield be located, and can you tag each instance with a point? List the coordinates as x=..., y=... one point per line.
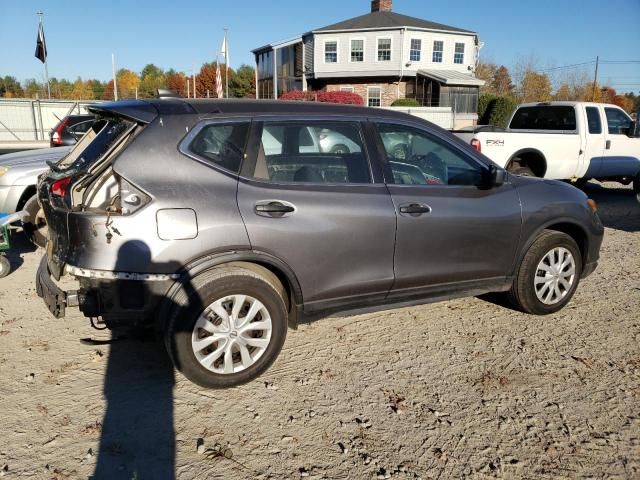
x=95, y=144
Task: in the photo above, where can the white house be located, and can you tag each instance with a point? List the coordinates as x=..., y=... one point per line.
x=382, y=56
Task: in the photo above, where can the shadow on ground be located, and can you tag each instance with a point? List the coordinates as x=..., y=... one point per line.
x=618, y=207
x=20, y=245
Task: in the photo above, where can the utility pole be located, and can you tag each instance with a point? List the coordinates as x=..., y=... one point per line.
x=113, y=71
x=226, y=63
x=193, y=69
x=595, y=81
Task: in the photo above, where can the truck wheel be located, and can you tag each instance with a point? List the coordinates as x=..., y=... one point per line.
x=36, y=225
x=229, y=329
x=548, y=275
x=5, y=266
x=523, y=172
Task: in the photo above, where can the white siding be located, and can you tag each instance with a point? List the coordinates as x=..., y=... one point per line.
x=400, y=45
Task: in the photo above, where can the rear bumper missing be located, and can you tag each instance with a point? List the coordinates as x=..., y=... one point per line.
x=56, y=299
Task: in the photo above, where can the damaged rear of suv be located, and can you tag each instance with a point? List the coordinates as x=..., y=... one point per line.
x=221, y=223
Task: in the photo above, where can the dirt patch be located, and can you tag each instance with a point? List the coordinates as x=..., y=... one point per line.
x=457, y=389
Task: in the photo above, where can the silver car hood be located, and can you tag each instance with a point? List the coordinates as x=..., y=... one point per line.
x=33, y=158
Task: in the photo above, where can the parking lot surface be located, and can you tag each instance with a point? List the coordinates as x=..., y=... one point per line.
x=452, y=389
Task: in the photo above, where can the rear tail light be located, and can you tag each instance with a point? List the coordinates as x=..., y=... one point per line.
x=59, y=187
x=475, y=143
x=56, y=138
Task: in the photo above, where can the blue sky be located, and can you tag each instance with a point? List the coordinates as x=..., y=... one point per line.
x=82, y=35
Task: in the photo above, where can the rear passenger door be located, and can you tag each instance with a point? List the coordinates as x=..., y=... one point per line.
x=318, y=209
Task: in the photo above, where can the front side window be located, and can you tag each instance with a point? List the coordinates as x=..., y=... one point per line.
x=458, y=55
x=384, y=49
x=618, y=123
x=416, y=157
x=312, y=152
x=357, y=50
x=438, y=48
x=544, y=117
x=593, y=119
x=416, y=50
x=331, y=52
x=374, y=96
x=221, y=144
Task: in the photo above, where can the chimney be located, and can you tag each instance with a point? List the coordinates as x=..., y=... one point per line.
x=381, y=5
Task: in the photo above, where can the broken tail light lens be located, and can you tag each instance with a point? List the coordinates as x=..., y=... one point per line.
x=475, y=143
x=59, y=187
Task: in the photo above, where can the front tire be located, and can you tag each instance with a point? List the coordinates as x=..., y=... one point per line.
x=229, y=328
x=5, y=266
x=36, y=225
x=548, y=275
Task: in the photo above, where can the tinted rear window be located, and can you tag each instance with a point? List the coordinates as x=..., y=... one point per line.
x=544, y=117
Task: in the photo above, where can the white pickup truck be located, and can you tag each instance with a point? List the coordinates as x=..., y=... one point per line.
x=574, y=141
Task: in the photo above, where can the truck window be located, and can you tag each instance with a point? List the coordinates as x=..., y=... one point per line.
x=617, y=121
x=593, y=119
x=544, y=117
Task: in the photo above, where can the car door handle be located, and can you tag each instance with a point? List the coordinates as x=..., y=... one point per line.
x=273, y=208
x=607, y=145
x=415, y=209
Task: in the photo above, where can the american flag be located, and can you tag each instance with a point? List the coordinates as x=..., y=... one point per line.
x=218, y=80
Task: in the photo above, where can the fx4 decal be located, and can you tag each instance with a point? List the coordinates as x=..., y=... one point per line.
x=495, y=143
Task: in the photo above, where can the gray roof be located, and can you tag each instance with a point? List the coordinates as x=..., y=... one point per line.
x=452, y=77
x=388, y=20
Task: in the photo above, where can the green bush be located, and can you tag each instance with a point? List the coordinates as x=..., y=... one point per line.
x=405, y=102
x=483, y=107
x=500, y=111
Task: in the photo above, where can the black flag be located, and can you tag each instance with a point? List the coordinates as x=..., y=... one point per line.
x=41, y=45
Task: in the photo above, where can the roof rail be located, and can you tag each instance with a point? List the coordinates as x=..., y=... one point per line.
x=166, y=93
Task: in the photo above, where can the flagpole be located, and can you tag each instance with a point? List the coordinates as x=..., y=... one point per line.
x=226, y=63
x=46, y=67
x=113, y=71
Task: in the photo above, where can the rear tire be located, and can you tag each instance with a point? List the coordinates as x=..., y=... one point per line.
x=35, y=226
x=636, y=187
x=548, y=275
x=5, y=266
x=228, y=326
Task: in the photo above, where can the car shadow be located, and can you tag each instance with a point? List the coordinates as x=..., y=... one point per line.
x=137, y=437
x=20, y=245
x=618, y=208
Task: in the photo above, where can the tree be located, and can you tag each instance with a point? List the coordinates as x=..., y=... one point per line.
x=34, y=89
x=242, y=83
x=486, y=72
x=535, y=87
x=81, y=91
x=501, y=82
x=107, y=93
x=206, y=79
x=10, y=87
x=151, y=79
x=563, y=93
x=176, y=81
x=127, y=82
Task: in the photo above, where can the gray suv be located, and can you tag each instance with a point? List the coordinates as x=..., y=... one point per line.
x=174, y=213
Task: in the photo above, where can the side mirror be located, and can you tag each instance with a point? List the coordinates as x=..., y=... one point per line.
x=633, y=131
x=497, y=176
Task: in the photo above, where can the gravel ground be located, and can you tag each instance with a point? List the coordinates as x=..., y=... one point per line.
x=456, y=389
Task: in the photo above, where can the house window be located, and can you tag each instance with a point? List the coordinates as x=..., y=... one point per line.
x=384, y=49
x=347, y=88
x=438, y=47
x=458, y=56
x=374, y=96
x=357, y=50
x=416, y=50
x=331, y=52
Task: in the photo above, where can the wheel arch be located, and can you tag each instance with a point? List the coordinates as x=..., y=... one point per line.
x=29, y=192
x=271, y=263
x=568, y=226
x=531, y=157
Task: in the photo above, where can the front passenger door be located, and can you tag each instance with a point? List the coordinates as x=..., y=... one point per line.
x=450, y=229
